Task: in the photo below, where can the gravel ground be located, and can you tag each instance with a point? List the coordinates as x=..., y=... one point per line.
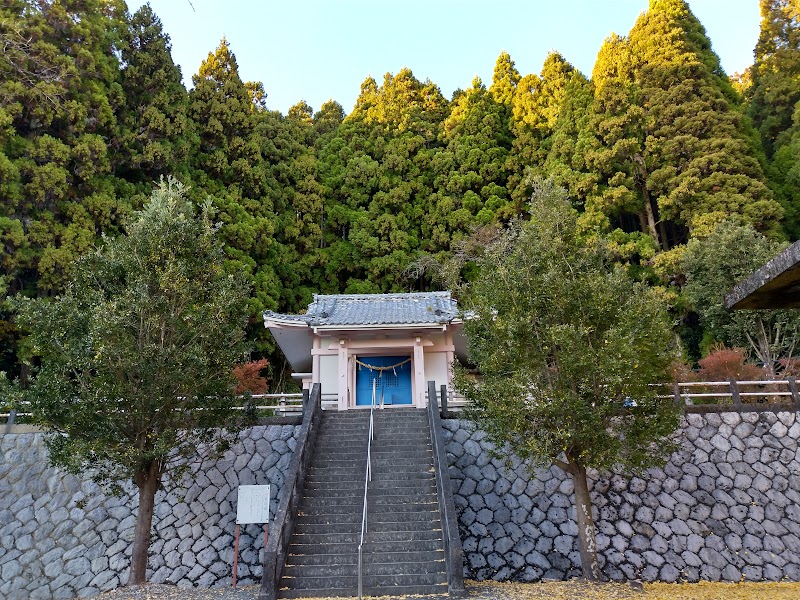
x=568, y=590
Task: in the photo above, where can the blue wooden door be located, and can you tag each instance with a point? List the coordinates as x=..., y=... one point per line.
x=392, y=377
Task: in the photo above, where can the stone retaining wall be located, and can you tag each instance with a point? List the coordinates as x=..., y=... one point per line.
x=61, y=537
x=725, y=507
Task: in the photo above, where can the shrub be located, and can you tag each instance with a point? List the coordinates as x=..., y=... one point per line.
x=248, y=377
x=723, y=364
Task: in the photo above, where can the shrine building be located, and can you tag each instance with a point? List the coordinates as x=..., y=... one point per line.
x=353, y=344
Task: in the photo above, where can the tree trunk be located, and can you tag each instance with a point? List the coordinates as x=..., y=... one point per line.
x=651, y=219
x=147, y=481
x=583, y=508
x=650, y=214
x=662, y=228
x=643, y=225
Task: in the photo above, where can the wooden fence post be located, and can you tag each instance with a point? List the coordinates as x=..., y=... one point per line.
x=10, y=422
x=737, y=399
x=793, y=388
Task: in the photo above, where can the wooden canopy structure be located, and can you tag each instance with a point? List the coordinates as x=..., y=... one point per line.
x=774, y=285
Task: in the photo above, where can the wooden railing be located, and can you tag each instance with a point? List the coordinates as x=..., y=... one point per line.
x=742, y=395
x=291, y=494
x=449, y=398
x=697, y=396
x=283, y=404
x=291, y=404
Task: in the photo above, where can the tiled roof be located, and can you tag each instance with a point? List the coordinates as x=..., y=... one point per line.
x=375, y=309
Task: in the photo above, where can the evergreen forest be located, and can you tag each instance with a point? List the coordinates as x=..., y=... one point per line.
x=657, y=146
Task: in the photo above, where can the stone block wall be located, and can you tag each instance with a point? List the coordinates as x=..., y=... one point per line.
x=725, y=507
x=62, y=537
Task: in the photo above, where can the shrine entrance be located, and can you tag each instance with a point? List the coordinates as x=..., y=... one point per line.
x=390, y=376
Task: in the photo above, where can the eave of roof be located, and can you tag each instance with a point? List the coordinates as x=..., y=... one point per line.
x=774, y=285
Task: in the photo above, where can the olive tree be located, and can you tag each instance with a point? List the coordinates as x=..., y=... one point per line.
x=567, y=346
x=135, y=359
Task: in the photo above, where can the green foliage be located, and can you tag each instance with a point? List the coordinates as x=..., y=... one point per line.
x=538, y=124
x=568, y=348
x=713, y=265
x=562, y=339
x=158, y=135
x=471, y=172
x=230, y=166
x=9, y=394
x=672, y=154
x=655, y=149
x=775, y=75
x=59, y=98
x=135, y=357
x=505, y=80
x=772, y=101
x=376, y=172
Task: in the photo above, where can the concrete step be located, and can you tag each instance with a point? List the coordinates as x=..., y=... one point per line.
x=352, y=430
x=377, y=485
x=397, y=591
x=375, y=516
x=375, y=460
x=399, y=441
x=369, y=568
x=402, y=481
x=407, y=440
x=326, y=476
x=351, y=469
x=431, y=556
x=354, y=537
x=357, y=492
x=400, y=437
x=335, y=415
x=340, y=444
x=308, y=525
x=325, y=508
x=371, y=582
x=378, y=434
x=313, y=500
x=378, y=547
x=411, y=453
x=378, y=464
x=360, y=455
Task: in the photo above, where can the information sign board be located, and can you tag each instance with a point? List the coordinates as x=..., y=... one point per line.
x=252, y=505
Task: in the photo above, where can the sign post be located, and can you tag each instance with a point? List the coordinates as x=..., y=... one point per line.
x=252, y=506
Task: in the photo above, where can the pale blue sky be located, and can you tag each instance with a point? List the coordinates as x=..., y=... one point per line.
x=317, y=49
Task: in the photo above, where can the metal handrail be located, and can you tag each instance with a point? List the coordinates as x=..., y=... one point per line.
x=367, y=479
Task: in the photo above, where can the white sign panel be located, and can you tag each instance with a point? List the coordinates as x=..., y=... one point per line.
x=252, y=505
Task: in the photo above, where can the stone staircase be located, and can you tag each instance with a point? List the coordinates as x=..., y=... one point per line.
x=403, y=549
